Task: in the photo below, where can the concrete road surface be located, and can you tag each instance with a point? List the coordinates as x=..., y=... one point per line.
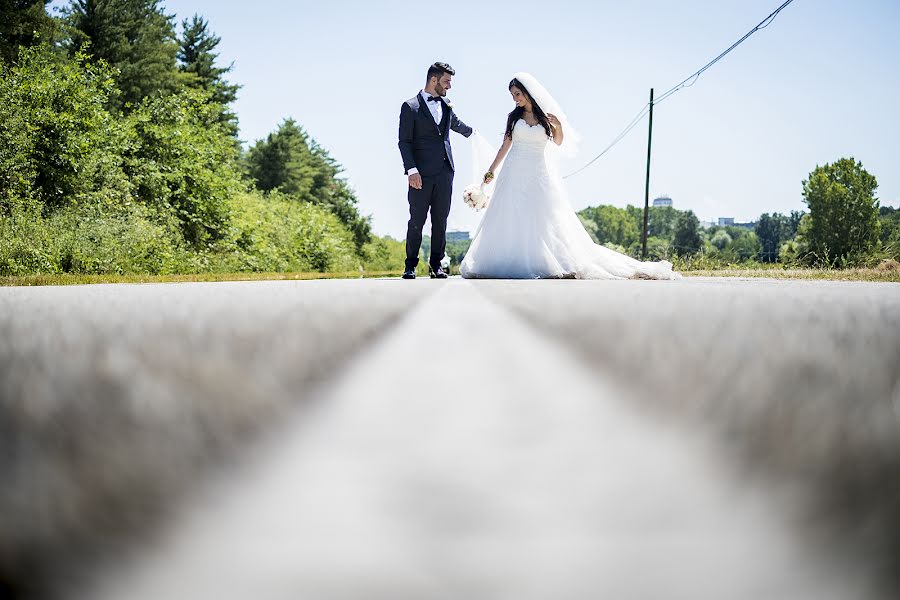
x=451, y=439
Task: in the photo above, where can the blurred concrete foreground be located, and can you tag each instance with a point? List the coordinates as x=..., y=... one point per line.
x=451, y=439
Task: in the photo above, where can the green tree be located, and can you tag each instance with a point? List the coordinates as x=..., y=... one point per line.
x=843, y=212
x=134, y=36
x=384, y=254
x=662, y=221
x=456, y=250
x=588, y=223
x=612, y=225
x=58, y=143
x=283, y=162
x=686, y=238
x=181, y=159
x=197, y=60
x=772, y=231
x=745, y=247
x=890, y=231
x=24, y=23
x=657, y=249
x=890, y=222
x=720, y=239
x=289, y=161
x=796, y=250
x=794, y=222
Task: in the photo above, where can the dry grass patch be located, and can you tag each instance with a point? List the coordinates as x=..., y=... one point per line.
x=887, y=270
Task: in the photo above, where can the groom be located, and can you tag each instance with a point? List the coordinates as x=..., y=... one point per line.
x=425, y=124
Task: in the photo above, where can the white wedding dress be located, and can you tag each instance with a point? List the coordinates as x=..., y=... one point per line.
x=530, y=230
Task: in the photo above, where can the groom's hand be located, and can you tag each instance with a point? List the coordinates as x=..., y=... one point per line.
x=415, y=181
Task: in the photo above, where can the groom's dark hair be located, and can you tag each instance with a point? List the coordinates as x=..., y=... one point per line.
x=438, y=69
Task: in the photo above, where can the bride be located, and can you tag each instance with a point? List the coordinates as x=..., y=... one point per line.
x=529, y=230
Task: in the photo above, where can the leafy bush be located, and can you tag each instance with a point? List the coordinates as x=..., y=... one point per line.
x=57, y=141
x=118, y=240
x=27, y=245
x=388, y=254
x=889, y=217
x=90, y=239
x=275, y=233
x=657, y=249
x=181, y=158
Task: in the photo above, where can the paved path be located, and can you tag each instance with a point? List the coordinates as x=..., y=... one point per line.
x=387, y=439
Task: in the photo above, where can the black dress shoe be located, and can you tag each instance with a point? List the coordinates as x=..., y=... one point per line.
x=409, y=274
x=437, y=273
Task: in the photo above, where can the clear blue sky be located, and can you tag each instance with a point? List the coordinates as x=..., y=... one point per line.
x=822, y=82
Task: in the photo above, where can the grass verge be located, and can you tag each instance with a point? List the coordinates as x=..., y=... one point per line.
x=76, y=279
x=858, y=274
x=888, y=271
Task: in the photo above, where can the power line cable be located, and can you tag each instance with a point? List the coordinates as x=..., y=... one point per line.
x=695, y=76
x=684, y=84
x=634, y=122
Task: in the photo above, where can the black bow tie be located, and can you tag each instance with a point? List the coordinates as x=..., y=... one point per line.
x=434, y=98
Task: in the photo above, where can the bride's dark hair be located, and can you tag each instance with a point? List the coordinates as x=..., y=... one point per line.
x=518, y=111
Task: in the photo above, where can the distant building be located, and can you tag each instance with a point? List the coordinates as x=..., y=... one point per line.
x=457, y=236
x=726, y=221
x=662, y=201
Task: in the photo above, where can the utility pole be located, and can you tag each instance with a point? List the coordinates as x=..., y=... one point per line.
x=647, y=187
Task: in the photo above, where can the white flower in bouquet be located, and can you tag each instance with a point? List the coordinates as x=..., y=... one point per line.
x=475, y=197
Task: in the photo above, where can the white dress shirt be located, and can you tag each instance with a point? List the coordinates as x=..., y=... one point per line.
x=436, y=108
x=437, y=113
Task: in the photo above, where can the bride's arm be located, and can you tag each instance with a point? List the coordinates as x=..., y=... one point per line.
x=501, y=154
x=556, y=128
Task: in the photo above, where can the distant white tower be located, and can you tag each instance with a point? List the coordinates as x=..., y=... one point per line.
x=662, y=201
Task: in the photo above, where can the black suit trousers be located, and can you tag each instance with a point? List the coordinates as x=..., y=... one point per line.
x=434, y=196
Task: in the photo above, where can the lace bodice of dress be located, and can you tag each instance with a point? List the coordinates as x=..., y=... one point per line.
x=527, y=136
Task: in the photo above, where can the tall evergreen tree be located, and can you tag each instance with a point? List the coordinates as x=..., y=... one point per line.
x=24, y=23
x=289, y=161
x=282, y=161
x=135, y=36
x=197, y=56
x=197, y=60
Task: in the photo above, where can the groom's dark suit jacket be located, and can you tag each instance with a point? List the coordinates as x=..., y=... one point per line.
x=423, y=144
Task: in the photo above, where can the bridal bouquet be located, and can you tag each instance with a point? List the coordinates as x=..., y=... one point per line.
x=475, y=197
